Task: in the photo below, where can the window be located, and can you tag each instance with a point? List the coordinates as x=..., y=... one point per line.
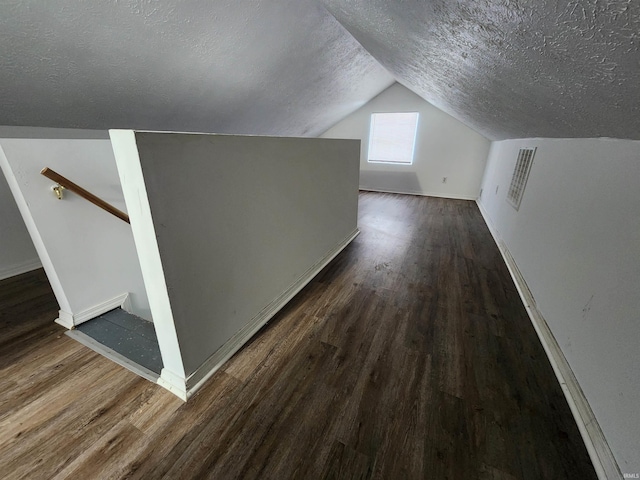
x=392, y=137
x=520, y=175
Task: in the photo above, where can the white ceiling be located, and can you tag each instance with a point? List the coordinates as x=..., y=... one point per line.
x=281, y=67
x=512, y=68
x=507, y=68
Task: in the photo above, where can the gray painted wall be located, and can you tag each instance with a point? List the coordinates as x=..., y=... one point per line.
x=88, y=255
x=239, y=220
x=444, y=147
x=17, y=254
x=576, y=241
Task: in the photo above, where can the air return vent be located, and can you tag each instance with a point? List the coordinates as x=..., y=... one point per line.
x=520, y=175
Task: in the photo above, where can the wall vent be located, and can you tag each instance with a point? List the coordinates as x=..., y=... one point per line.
x=520, y=175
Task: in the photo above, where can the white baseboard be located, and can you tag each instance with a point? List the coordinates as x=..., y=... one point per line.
x=215, y=361
x=421, y=194
x=599, y=451
x=174, y=383
x=19, y=269
x=65, y=319
x=70, y=320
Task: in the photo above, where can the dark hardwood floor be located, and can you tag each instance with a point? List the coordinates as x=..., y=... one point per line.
x=410, y=356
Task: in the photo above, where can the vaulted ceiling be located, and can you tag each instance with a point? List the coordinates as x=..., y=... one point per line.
x=273, y=67
x=512, y=68
x=506, y=68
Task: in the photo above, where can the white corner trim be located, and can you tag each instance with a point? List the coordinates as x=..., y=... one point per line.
x=226, y=351
x=421, y=194
x=65, y=319
x=174, y=383
x=21, y=268
x=600, y=453
x=134, y=189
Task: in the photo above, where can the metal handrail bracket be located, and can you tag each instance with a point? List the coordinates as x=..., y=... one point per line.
x=69, y=185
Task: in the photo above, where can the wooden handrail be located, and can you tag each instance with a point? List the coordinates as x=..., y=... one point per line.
x=69, y=185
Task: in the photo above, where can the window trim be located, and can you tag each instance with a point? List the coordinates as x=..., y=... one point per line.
x=413, y=146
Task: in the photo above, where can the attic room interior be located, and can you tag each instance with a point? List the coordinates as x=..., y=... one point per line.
x=377, y=239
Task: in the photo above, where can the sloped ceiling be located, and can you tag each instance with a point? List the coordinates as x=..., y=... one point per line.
x=512, y=68
x=506, y=68
x=283, y=67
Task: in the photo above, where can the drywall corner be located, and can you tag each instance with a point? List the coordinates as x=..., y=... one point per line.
x=135, y=194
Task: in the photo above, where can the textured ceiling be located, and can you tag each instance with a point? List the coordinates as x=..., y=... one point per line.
x=283, y=67
x=512, y=68
x=506, y=68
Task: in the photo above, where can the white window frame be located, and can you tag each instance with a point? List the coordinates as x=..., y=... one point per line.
x=375, y=134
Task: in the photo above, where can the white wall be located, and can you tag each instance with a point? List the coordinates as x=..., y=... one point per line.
x=576, y=241
x=88, y=255
x=444, y=148
x=240, y=223
x=17, y=254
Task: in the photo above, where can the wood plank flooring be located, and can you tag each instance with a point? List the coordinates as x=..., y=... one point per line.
x=410, y=356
